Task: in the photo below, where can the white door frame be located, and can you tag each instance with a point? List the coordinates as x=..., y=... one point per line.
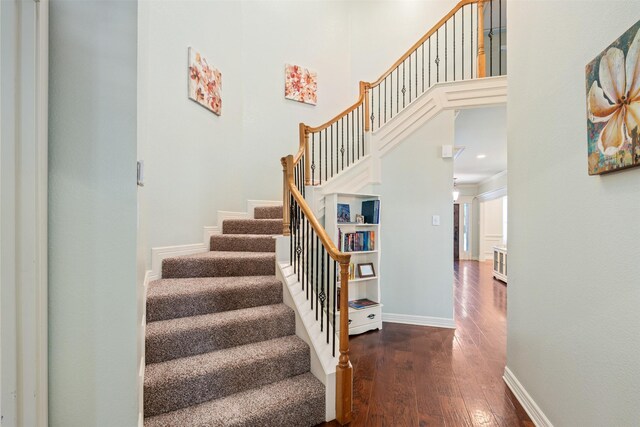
x=23, y=212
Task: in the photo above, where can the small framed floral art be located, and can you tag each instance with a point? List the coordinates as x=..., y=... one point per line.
x=300, y=84
x=205, y=82
x=613, y=105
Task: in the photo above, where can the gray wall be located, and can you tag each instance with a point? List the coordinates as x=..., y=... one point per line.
x=92, y=213
x=574, y=255
x=416, y=276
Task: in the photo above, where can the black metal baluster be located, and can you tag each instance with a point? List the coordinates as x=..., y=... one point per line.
x=313, y=159
x=416, y=73
x=311, y=252
x=317, y=275
x=358, y=133
x=409, y=78
x=331, y=147
x=298, y=250
x=328, y=293
x=326, y=165
x=335, y=304
x=321, y=296
x=303, y=172
x=302, y=238
x=422, y=49
x=491, y=38
x=385, y=100
x=446, y=48
x=320, y=157
x=404, y=86
x=347, y=140
x=342, y=142
x=337, y=143
x=353, y=151
x=471, y=35
x=500, y=37
x=363, y=130
x=429, y=61
x=291, y=259
x=379, y=98
x=397, y=89
x=372, y=107
x=437, y=61
x=462, y=56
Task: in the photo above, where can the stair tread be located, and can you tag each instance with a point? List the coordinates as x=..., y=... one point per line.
x=268, y=212
x=219, y=264
x=201, y=364
x=252, y=226
x=243, y=242
x=187, y=336
x=162, y=288
x=193, y=296
x=295, y=401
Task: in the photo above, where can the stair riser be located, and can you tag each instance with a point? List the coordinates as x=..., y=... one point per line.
x=268, y=212
x=234, y=243
x=182, y=343
x=214, y=301
x=191, y=391
x=205, y=267
x=252, y=226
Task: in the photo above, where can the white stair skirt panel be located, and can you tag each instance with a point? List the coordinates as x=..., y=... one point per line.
x=323, y=363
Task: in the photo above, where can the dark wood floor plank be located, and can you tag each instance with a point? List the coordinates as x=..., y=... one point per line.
x=409, y=375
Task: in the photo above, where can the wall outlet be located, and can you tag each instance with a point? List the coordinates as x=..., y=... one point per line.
x=435, y=220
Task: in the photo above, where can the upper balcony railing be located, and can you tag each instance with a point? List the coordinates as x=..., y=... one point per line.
x=454, y=49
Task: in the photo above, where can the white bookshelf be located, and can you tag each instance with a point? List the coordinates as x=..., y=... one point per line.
x=370, y=318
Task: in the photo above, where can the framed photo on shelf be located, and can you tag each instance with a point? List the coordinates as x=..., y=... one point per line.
x=359, y=219
x=344, y=213
x=366, y=270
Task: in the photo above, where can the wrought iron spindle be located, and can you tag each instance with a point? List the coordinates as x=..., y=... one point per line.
x=446, y=48
x=317, y=276
x=311, y=252
x=335, y=302
x=347, y=140
x=500, y=37
x=409, y=78
x=298, y=250
x=429, y=62
x=397, y=89
x=363, y=128
x=327, y=294
x=422, y=51
x=372, y=109
x=313, y=159
x=322, y=294
x=437, y=61
x=342, y=142
x=331, y=148
x=491, y=38
x=353, y=153
x=378, y=105
x=358, y=133
x=326, y=166
x=404, y=88
x=385, y=99
x=306, y=253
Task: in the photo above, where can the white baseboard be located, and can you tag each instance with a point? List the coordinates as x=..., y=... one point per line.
x=409, y=319
x=530, y=406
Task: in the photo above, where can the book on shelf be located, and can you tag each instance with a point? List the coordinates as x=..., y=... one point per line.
x=371, y=211
x=359, y=304
x=357, y=241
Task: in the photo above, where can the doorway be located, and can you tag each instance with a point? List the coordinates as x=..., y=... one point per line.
x=456, y=232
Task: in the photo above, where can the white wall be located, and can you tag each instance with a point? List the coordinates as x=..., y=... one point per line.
x=416, y=275
x=92, y=214
x=574, y=255
x=198, y=163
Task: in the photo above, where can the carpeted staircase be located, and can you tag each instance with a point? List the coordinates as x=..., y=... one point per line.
x=220, y=344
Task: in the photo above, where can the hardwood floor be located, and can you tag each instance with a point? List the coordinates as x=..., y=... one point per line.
x=420, y=376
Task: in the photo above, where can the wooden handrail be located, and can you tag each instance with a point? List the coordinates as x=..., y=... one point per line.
x=364, y=88
x=423, y=39
x=344, y=370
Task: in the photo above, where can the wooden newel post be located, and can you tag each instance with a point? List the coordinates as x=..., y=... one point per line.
x=344, y=370
x=304, y=145
x=286, y=197
x=482, y=60
x=364, y=90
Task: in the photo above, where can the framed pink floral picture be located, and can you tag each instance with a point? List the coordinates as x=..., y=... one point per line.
x=205, y=82
x=300, y=84
x=613, y=105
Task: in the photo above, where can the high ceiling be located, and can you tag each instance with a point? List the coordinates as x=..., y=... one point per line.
x=482, y=131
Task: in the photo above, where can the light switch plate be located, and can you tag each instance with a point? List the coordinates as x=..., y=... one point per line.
x=435, y=220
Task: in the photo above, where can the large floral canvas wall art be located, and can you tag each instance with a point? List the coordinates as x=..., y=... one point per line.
x=301, y=84
x=613, y=105
x=205, y=82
